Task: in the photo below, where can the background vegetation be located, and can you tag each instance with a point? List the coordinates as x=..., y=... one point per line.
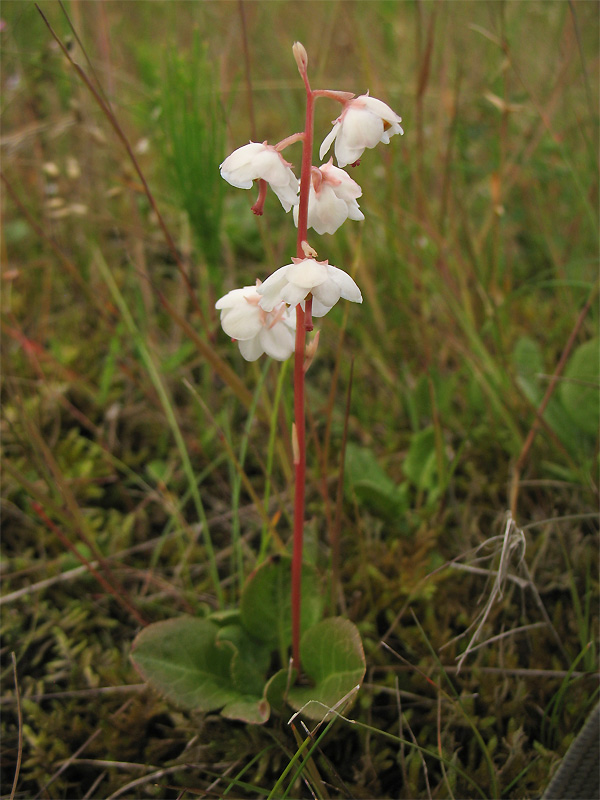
x=141, y=479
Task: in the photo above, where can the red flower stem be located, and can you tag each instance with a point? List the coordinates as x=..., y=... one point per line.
x=299, y=355
x=292, y=139
x=300, y=481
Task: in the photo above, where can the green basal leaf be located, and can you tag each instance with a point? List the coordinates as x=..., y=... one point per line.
x=333, y=657
x=420, y=463
x=561, y=416
x=250, y=661
x=227, y=616
x=579, y=389
x=372, y=486
x=527, y=357
x=182, y=660
x=253, y=710
x=277, y=687
x=266, y=605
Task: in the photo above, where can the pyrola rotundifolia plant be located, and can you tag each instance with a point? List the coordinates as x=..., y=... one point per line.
x=222, y=661
x=274, y=316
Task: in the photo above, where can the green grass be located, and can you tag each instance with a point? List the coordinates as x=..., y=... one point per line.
x=478, y=266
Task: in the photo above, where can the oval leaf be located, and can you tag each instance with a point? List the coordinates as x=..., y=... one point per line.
x=250, y=660
x=277, y=687
x=333, y=657
x=181, y=659
x=253, y=710
x=579, y=387
x=266, y=604
x=372, y=486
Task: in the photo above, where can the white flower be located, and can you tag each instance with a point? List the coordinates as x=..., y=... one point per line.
x=304, y=276
x=256, y=161
x=363, y=123
x=331, y=200
x=257, y=331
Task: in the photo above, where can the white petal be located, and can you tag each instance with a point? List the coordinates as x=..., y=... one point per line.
x=241, y=322
x=345, y=154
x=326, y=212
x=274, y=277
x=235, y=297
x=288, y=195
x=319, y=309
x=278, y=342
x=288, y=318
x=238, y=168
x=270, y=290
x=270, y=167
x=307, y=273
x=381, y=109
x=347, y=189
x=327, y=293
x=362, y=128
x=354, y=211
x=238, y=179
x=349, y=289
x=293, y=294
x=328, y=140
x=251, y=349
x=394, y=129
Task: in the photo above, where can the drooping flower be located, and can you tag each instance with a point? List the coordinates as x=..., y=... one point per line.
x=332, y=199
x=257, y=161
x=304, y=276
x=257, y=331
x=364, y=122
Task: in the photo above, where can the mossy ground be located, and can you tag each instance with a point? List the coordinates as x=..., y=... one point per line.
x=476, y=260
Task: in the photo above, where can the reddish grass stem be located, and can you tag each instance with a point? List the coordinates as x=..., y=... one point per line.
x=302, y=318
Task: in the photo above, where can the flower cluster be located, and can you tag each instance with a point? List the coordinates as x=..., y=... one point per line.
x=259, y=317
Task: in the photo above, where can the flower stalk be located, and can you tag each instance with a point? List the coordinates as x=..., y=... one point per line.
x=302, y=318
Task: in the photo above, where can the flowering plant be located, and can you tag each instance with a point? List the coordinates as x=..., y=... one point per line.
x=327, y=197
x=232, y=652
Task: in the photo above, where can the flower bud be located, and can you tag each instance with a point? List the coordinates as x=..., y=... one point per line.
x=301, y=56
